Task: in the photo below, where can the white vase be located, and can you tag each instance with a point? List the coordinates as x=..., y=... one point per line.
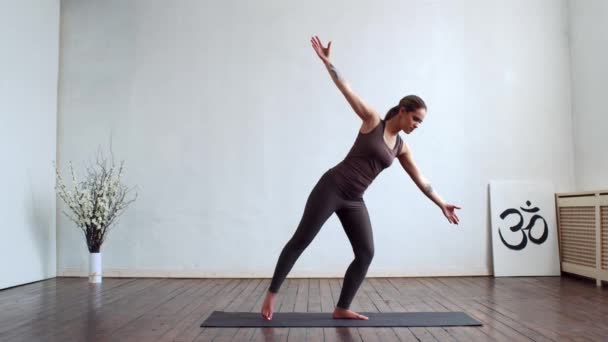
x=95, y=268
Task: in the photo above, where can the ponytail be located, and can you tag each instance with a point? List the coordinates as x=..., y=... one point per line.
x=410, y=103
x=392, y=112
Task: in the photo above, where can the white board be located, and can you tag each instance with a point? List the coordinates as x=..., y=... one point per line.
x=524, y=229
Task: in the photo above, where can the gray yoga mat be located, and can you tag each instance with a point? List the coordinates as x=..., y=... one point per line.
x=323, y=319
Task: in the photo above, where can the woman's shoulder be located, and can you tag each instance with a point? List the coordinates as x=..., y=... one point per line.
x=368, y=126
x=403, y=147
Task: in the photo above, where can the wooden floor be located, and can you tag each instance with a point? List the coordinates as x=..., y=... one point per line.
x=126, y=309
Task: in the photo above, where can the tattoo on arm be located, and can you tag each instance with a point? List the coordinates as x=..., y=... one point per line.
x=335, y=72
x=428, y=188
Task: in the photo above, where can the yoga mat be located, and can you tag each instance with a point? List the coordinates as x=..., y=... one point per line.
x=323, y=319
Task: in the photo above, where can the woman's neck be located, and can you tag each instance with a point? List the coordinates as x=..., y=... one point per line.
x=392, y=126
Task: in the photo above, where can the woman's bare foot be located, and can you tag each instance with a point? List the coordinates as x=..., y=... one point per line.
x=344, y=313
x=268, y=305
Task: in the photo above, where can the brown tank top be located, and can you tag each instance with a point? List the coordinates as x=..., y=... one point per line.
x=365, y=160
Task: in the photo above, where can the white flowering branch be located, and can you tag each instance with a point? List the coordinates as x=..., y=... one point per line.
x=96, y=202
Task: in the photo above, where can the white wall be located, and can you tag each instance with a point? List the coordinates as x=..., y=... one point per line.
x=29, y=34
x=589, y=56
x=226, y=119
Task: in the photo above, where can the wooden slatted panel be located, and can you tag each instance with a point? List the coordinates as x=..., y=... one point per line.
x=604, y=215
x=577, y=235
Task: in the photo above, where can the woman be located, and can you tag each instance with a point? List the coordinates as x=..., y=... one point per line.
x=341, y=188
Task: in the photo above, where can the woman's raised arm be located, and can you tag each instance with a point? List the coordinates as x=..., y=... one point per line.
x=365, y=112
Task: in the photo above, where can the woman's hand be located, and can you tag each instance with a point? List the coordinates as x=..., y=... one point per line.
x=449, y=210
x=322, y=52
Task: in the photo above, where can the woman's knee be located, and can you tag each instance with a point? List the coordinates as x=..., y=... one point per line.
x=365, y=255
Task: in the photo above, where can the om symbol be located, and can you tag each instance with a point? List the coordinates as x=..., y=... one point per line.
x=518, y=227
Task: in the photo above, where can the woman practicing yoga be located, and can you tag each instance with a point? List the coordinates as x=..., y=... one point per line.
x=341, y=188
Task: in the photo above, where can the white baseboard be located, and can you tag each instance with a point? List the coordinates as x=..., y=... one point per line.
x=150, y=273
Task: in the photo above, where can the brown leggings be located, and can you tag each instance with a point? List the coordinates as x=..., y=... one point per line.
x=323, y=201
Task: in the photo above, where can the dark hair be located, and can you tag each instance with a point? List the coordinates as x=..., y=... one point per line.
x=410, y=103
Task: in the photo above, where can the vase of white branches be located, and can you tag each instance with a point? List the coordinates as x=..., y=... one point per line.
x=94, y=204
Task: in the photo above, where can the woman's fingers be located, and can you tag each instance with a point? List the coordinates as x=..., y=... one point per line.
x=449, y=217
x=452, y=218
x=315, y=46
x=450, y=213
x=319, y=42
x=321, y=51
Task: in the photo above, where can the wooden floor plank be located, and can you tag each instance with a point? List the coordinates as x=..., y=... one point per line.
x=220, y=303
x=74, y=291
x=450, y=298
x=147, y=309
x=314, y=305
x=103, y=320
x=240, y=303
x=391, y=298
x=385, y=334
x=270, y=333
x=327, y=306
x=189, y=327
x=190, y=316
x=300, y=305
x=79, y=310
x=364, y=303
x=156, y=322
x=249, y=305
x=344, y=333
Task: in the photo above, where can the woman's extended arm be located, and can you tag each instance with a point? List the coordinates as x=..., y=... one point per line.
x=407, y=161
x=365, y=112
